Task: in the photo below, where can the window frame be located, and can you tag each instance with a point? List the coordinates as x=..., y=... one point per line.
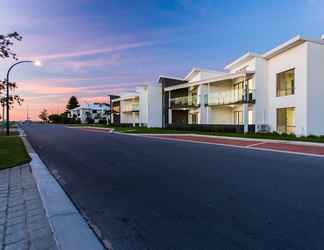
x=287, y=126
x=278, y=90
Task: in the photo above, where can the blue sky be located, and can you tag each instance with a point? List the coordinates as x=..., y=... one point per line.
x=91, y=48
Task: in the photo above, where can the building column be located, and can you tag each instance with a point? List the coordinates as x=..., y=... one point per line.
x=133, y=118
x=246, y=106
x=170, y=116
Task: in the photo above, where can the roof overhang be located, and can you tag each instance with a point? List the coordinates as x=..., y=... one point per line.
x=223, y=77
x=195, y=71
x=243, y=59
x=297, y=40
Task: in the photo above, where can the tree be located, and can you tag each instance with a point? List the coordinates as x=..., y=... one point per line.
x=12, y=98
x=6, y=41
x=43, y=115
x=73, y=103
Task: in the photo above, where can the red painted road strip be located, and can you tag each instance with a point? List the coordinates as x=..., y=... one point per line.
x=232, y=142
x=293, y=148
x=284, y=147
x=96, y=130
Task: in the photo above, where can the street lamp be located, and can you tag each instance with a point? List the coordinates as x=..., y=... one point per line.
x=36, y=63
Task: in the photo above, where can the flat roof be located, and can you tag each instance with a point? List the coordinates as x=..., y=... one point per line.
x=295, y=41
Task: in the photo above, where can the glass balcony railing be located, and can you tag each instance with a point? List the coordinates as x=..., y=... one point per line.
x=229, y=97
x=184, y=101
x=130, y=108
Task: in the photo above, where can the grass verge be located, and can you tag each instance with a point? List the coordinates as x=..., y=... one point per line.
x=12, y=152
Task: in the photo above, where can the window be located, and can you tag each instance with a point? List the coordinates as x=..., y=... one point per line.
x=238, y=117
x=286, y=83
x=238, y=91
x=286, y=122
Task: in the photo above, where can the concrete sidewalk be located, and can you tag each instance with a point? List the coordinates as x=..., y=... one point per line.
x=23, y=222
x=70, y=229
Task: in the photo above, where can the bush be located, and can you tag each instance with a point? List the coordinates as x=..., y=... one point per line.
x=102, y=121
x=90, y=120
x=313, y=137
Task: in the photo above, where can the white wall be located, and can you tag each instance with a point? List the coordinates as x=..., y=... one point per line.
x=261, y=86
x=143, y=105
x=154, y=106
x=221, y=115
x=315, y=89
x=129, y=117
x=293, y=58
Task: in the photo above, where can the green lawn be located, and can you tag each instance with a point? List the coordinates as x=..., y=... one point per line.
x=12, y=152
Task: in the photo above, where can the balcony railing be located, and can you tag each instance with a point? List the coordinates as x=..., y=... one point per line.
x=230, y=97
x=130, y=108
x=184, y=101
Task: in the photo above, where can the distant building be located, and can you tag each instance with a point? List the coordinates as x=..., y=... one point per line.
x=142, y=107
x=91, y=113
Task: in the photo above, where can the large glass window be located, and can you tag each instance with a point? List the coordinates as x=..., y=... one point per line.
x=238, y=91
x=286, y=83
x=238, y=117
x=286, y=120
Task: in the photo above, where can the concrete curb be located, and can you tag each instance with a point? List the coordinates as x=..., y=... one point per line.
x=70, y=230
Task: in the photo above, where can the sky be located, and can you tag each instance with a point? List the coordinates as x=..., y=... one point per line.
x=92, y=48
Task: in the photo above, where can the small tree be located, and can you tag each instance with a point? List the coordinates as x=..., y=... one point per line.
x=12, y=98
x=43, y=115
x=73, y=103
x=6, y=42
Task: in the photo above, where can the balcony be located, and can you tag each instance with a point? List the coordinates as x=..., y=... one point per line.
x=130, y=108
x=229, y=97
x=184, y=102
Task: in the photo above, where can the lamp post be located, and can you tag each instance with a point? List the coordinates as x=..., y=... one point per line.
x=36, y=63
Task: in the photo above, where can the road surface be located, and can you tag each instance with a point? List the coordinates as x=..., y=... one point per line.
x=149, y=193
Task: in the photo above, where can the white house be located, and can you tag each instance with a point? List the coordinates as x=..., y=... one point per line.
x=95, y=112
x=281, y=90
x=142, y=107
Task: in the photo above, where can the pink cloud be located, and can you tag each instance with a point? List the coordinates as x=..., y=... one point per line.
x=89, y=52
x=78, y=64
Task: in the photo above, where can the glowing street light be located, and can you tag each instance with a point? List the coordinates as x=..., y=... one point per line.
x=36, y=63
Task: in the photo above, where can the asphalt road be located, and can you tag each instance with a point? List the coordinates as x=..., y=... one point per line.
x=144, y=193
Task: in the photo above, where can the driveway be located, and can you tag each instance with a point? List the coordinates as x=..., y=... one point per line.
x=149, y=193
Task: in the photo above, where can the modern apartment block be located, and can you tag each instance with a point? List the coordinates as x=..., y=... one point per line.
x=281, y=90
x=141, y=107
x=91, y=113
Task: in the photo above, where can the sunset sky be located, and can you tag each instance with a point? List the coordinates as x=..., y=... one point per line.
x=92, y=48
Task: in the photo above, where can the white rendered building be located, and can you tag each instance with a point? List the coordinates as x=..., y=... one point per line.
x=141, y=107
x=281, y=90
x=95, y=112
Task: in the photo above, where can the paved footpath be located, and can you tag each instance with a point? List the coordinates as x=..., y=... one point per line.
x=23, y=223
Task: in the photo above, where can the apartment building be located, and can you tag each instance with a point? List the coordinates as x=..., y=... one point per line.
x=141, y=107
x=280, y=90
x=91, y=113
